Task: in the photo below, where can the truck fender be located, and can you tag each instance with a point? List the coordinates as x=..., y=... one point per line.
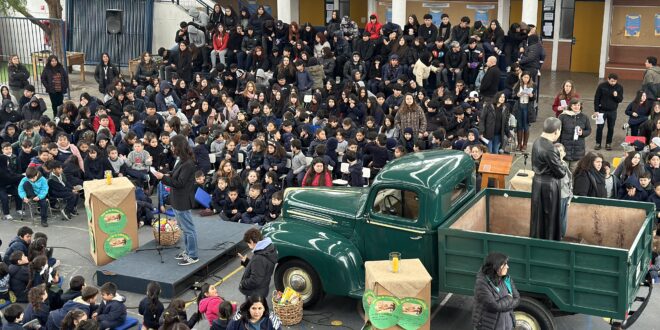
x=336, y=260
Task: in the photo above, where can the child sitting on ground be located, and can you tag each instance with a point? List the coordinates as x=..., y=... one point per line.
x=138, y=162
x=85, y=302
x=274, y=207
x=150, y=307
x=19, y=243
x=225, y=311
x=34, y=188
x=256, y=206
x=19, y=275
x=13, y=314
x=59, y=187
x=37, y=308
x=234, y=206
x=4, y=283
x=112, y=311
x=76, y=284
x=209, y=302
x=219, y=198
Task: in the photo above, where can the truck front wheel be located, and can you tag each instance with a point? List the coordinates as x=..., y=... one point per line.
x=533, y=315
x=301, y=277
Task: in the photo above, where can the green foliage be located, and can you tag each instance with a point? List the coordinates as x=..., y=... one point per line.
x=9, y=7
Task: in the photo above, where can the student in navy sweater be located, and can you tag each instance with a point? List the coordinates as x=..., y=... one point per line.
x=59, y=187
x=355, y=178
x=86, y=302
x=37, y=308
x=201, y=152
x=256, y=206
x=13, y=314
x=112, y=311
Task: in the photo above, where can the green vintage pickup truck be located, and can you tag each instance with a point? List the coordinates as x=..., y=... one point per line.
x=425, y=206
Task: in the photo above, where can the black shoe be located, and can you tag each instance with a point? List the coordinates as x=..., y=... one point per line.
x=608, y=147
x=188, y=260
x=597, y=147
x=44, y=224
x=75, y=212
x=65, y=215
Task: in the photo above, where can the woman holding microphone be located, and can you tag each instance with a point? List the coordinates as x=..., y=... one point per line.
x=182, y=182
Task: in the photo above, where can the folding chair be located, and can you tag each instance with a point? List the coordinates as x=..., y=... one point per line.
x=343, y=168
x=283, y=176
x=366, y=174
x=212, y=159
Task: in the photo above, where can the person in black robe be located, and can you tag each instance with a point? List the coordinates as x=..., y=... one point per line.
x=546, y=189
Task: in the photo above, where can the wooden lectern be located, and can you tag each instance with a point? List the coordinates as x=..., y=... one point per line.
x=496, y=167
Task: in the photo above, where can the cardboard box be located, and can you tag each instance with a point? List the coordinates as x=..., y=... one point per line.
x=411, y=283
x=111, y=218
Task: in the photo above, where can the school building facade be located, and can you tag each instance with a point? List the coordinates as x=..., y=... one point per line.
x=594, y=36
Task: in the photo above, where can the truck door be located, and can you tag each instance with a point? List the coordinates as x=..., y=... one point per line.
x=393, y=224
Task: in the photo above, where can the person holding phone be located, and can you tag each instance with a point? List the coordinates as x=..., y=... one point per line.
x=608, y=96
x=575, y=127
x=182, y=196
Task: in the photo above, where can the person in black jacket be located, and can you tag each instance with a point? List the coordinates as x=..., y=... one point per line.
x=9, y=179
x=493, y=39
x=147, y=70
x=530, y=60
x=495, y=295
x=259, y=269
x=59, y=187
x=355, y=178
x=491, y=81
x=428, y=30
x=18, y=77
x=181, y=63
x=608, y=96
x=56, y=81
x=19, y=275
x=182, y=196
x=494, y=123
x=575, y=127
x=105, y=73
x=111, y=313
x=455, y=62
x=461, y=32
x=588, y=179
x=151, y=307
x=256, y=206
x=13, y=314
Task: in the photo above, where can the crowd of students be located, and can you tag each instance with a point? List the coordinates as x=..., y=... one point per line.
x=31, y=292
x=267, y=105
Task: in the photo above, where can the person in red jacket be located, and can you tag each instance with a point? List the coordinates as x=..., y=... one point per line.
x=317, y=175
x=220, y=39
x=373, y=27
x=563, y=99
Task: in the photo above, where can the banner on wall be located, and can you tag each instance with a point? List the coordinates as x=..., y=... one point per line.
x=657, y=25
x=482, y=15
x=633, y=25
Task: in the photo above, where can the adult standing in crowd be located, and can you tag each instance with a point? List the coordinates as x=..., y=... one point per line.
x=608, y=96
x=589, y=179
x=259, y=269
x=575, y=127
x=491, y=81
x=495, y=295
x=182, y=196
x=18, y=77
x=652, y=73
x=564, y=96
x=494, y=123
x=105, y=73
x=546, y=192
x=411, y=115
x=56, y=81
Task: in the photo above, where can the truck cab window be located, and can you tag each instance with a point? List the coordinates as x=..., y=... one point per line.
x=395, y=202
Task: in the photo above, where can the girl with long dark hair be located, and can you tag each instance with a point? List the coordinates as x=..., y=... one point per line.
x=495, y=295
x=56, y=81
x=254, y=313
x=150, y=307
x=589, y=179
x=638, y=112
x=183, y=195
x=317, y=175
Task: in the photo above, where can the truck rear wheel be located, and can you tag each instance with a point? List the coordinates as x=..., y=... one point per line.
x=301, y=277
x=533, y=315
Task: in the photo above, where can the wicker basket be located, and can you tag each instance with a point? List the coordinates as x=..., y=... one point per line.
x=167, y=238
x=289, y=314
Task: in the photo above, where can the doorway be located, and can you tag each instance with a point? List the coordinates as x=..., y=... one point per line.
x=587, y=31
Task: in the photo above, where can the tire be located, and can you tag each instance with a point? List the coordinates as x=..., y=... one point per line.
x=531, y=314
x=306, y=280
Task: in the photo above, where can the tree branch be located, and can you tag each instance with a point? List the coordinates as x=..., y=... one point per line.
x=23, y=11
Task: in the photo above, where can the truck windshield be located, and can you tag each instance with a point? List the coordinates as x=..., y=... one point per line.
x=396, y=202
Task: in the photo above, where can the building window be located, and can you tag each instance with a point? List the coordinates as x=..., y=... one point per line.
x=567, y=16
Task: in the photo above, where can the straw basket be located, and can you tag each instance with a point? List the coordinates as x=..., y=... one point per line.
x=167, y=238
x=289, y=314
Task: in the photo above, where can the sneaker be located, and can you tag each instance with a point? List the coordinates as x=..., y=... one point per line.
x=20, y=212
x=75, y=212
x=188, y=261
x=608, y=147
x=66, y=216
x=57, y=263
x=44, y=224
x=8, y=217
x=181, y=256
x=597, y=147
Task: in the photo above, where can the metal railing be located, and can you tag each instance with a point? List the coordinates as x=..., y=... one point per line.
x=190, y=4
x=20, y=36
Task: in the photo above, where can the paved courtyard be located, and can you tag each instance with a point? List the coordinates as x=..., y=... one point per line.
x=71, y=241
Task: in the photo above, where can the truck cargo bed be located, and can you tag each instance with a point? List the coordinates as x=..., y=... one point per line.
x=599, y=276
